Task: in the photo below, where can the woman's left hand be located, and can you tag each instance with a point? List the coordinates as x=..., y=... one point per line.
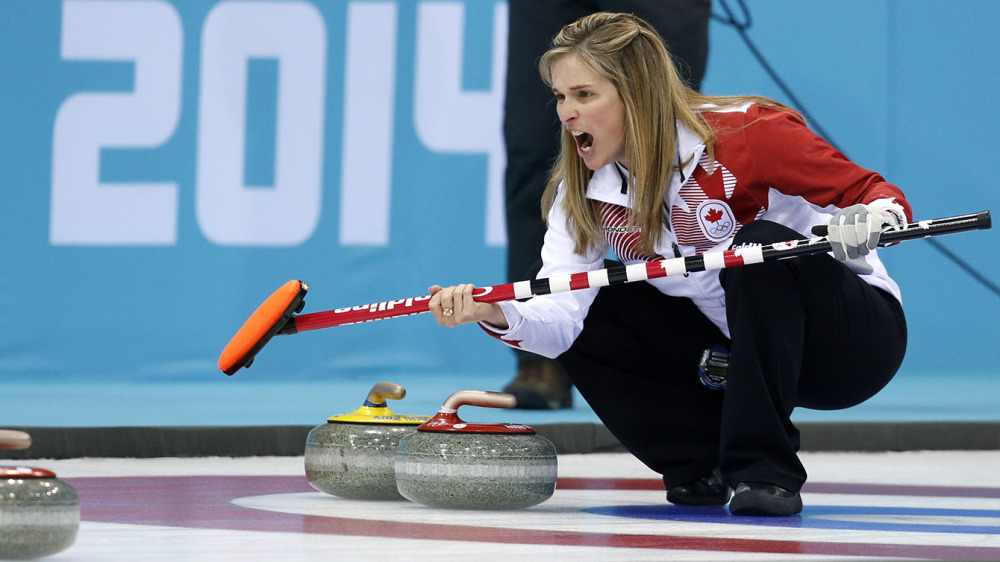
x=454, y=306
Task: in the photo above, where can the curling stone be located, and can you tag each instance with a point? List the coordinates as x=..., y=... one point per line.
x=449, y=463
x=353, y=455
x=39, y=514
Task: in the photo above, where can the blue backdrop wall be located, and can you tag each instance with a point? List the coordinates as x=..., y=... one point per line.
x=166, y=165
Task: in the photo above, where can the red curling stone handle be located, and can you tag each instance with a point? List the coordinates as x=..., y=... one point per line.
x=447, y=419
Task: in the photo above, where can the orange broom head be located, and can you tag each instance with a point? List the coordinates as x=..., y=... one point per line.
x=265, y=322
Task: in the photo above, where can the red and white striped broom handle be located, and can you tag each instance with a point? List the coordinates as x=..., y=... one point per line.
x=630, y=273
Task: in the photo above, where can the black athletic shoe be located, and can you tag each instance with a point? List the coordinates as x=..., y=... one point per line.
x=541, y=384
x=707, y=491
x=753, y=498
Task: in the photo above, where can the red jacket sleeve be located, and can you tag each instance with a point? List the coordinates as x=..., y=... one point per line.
x=791, y=158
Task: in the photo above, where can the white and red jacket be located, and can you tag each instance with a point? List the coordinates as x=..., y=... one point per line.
x=768, y=165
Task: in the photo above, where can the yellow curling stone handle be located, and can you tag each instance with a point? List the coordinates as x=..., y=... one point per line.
x=375, y=410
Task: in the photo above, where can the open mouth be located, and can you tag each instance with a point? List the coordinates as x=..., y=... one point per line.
x=584, y=141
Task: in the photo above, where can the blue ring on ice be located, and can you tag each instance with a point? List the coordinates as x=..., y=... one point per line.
x=860, y=518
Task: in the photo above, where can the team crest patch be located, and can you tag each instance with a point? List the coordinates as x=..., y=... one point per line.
x=716, y=220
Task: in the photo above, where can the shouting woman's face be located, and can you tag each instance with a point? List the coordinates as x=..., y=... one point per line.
x=591, y=110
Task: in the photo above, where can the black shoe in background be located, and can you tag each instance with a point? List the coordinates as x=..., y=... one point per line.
x=541, y=384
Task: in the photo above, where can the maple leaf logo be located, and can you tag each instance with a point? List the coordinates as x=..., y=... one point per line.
x=714, y=215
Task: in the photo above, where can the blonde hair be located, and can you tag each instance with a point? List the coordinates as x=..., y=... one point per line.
x=630, y=53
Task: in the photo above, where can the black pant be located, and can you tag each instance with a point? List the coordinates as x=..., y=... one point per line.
x=805, y=332
x=531, y=127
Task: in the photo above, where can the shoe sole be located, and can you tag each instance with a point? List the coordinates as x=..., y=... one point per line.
x=702, y=502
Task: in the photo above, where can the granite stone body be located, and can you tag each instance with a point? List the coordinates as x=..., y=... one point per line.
x=457, y=470
x=39, y=514
x=355, y=460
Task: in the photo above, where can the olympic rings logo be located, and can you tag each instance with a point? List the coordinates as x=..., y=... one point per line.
x=716, y=219
x=720, y=228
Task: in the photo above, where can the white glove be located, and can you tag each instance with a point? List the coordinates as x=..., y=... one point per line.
x=855, y=231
